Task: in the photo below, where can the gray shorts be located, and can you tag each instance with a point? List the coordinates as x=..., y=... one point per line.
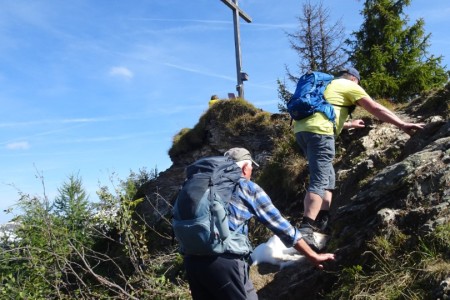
x=319, y=151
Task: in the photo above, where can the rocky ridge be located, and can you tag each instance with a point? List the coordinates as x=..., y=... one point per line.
x=387, y=183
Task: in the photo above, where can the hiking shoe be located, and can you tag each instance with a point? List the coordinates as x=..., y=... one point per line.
x=308, y=235
x=323, y=227
x=322, y=223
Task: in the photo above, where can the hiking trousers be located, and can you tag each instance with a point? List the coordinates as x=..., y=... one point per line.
x=224, y=277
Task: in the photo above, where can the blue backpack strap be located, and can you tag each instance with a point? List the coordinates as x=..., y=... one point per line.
x=210, y=198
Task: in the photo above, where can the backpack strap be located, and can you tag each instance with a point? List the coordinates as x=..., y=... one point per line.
x=211, y=194
x=211, y=223
x=239, y=228
x=351, y=109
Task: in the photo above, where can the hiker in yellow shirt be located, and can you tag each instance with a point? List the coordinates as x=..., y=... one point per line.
x=316, y=137
x=214, y=99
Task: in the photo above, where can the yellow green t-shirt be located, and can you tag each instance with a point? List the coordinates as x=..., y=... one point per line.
x=340, y=91
x=212, y=102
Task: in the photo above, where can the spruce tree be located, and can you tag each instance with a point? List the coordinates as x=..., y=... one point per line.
x=391, y=56
x=72, y=207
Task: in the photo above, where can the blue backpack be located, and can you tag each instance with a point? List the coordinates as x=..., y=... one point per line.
x=308, y=97
x=200, y=215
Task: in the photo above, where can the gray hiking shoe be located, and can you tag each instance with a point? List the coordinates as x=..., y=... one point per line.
x=323, y=227
x=308, y=235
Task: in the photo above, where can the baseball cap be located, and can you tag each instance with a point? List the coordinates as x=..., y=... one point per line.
x=352, y=71
x=239, y=154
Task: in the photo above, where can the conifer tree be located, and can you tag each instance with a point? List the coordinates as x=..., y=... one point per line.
x=72, y=207
x=391, y=56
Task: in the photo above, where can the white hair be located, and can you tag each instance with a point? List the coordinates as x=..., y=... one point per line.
x=243, y=162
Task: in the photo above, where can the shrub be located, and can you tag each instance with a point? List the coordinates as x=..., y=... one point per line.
x=56, y=254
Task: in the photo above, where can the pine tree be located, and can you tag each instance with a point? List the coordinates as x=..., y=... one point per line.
x=391, y=56
x=72, y=207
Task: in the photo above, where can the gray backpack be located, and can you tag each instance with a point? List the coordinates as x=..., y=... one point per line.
x=200, y=221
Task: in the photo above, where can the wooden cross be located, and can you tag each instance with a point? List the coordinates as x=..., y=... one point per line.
x=237, y=12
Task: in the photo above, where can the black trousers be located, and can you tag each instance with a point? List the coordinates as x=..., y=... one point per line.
x=224, y=277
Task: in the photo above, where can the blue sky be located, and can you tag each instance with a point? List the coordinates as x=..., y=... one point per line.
x=99, y=88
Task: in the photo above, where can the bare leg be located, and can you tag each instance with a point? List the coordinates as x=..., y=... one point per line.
x=327, y=200
x=317, y=209
x=312, y=205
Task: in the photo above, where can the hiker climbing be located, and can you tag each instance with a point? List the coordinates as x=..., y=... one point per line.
x=315, y=135
x=216, y=259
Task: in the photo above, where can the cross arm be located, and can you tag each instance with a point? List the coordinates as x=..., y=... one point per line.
x=242, y=14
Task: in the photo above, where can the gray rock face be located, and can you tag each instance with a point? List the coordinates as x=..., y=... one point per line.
x=408, y=194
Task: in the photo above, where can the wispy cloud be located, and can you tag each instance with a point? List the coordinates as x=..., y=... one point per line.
x=184, y=20
x=197, y=71
x=101, y=139
x=253, y=25
x=266, y=25
x=122, y=72
x=18, y=146
x=44, y=122
x=69, y=121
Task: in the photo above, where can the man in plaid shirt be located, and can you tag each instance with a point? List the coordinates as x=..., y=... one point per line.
x=226, y=276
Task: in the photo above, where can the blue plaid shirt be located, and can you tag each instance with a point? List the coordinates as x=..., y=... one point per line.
x=249, y=200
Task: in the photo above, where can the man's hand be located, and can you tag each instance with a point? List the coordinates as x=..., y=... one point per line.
x=354, y=124
x=410, y=128
x=315, y=258
x=320, y=258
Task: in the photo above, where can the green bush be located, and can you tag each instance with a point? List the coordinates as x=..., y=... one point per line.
x=56, y=254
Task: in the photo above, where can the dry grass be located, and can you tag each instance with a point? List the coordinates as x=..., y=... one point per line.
x=398, y=268
x=238, y=117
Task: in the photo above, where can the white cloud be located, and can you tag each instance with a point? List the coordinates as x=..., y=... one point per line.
x=197, y=71
x=18, y=146
x=121, y=72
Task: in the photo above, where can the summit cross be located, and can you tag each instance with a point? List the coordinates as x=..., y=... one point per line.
x=238, y=13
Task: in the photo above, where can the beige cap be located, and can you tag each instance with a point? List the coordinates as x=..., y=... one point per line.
x=240, y=154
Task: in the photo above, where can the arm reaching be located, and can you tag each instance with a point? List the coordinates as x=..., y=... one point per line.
x=388, y=116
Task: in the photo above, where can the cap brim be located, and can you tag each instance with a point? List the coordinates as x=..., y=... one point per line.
x=255, y=163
